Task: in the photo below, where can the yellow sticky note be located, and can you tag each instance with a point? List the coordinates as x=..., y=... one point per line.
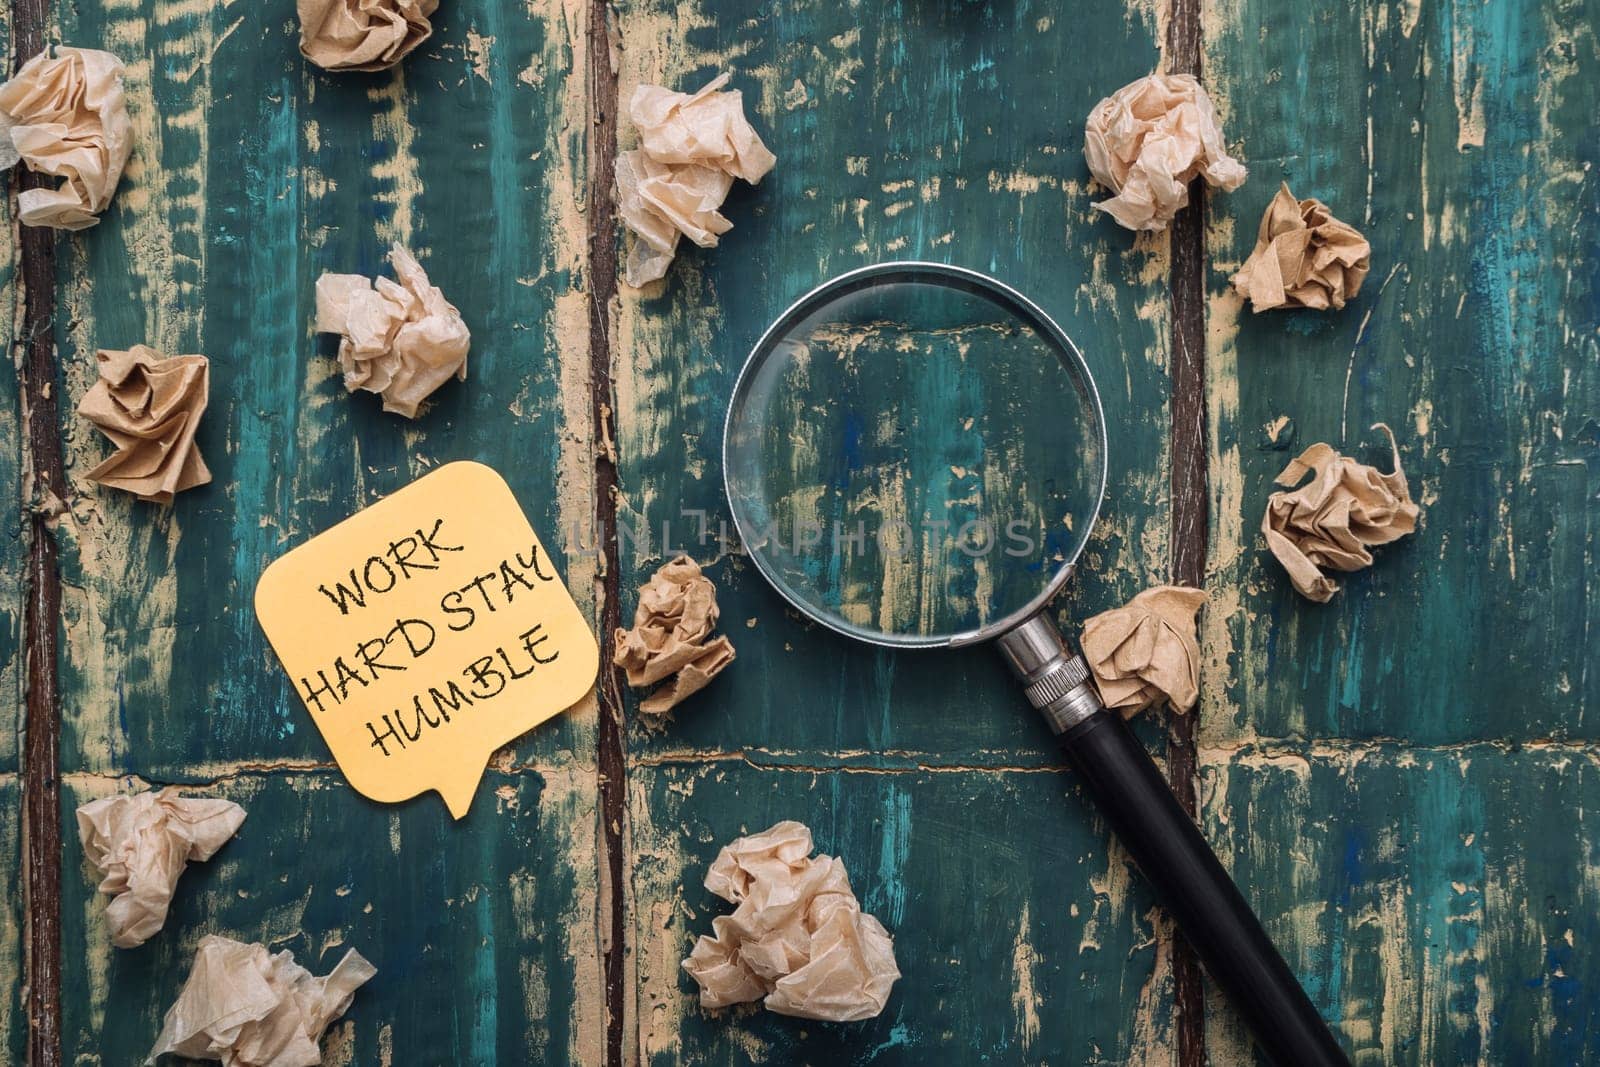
x=425, y=632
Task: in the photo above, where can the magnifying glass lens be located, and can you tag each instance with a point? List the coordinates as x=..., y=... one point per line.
x=913, y=457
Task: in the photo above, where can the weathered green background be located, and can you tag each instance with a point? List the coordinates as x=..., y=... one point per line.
x=1407, y=775
x=941, y=131
x=1401, y=779
x=256, y=172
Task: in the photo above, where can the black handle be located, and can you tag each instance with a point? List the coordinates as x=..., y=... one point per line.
x=1193, y=886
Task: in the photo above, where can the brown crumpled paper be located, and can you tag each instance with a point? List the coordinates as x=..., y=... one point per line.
x=671, y=635
x=660, y=203
x=401, y=339
x=798, y=937
x=692, y=147
x=141, y=844
x=363, y=34
x=1332, y=520
x=149, y=405
x=1145, y=651
x=1304, y=257
x=246, y=1007
x=1148, y=141
x=64, y=115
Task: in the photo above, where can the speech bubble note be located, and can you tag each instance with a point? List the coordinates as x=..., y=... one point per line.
x=425, y=632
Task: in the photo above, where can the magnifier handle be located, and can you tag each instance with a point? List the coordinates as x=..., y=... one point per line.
x=1163, y=840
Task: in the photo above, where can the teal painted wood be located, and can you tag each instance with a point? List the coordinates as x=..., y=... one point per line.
x=947, y=132
x=1021, y=938
x=950, y=133
x=481, y=931
x=16, y=486
x=901, y=132
x=1461, y=141
x=13, y=1013
x=1432, y=884
x=254, y=172
x=1436, y=902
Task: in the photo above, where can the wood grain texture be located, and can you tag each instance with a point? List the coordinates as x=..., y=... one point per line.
x=13, y=919
x=40, y=490
x=167, y=672
x=997, y=930
x=935, y=139
x=612, y=756
x=15, y=547
x=14, y=542
x=1191, y=498
x=946, y=132
x=255, y=172
x=1401, y=777
x=1435, y=902
x=1462, y=141
x=481, y=931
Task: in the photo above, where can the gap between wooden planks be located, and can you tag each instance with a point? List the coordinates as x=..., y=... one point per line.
x=613, y=756
x=1190, y=499
x=44, y=472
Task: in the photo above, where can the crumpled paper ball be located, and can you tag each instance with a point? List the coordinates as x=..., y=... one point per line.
x=692, y=147
x=798, y=939
x=149, y=406
x=400, y=339
x=1332, y=521
x=363, y=34
x=1304, y=258
x=141, y=844
x=246, y=1007
x=64, y=115
x=1146, y=143
x=1146, y=651
x=672, y=637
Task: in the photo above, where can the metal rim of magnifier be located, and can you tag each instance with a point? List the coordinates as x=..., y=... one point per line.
x=954, y=278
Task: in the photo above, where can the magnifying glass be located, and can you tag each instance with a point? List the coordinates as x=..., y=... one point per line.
x=915, y=455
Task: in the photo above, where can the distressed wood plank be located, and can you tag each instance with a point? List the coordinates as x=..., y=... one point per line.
x=949, y=134
x=158, y=618
x=254, y=172
x=14, y=548
x=936, y=138
x=168, y=678
x=1429, y=883
x=13, y=1013
x=1027, y=944
x=1461, y=139
x=15, y=481
x=1437, y=902
x=481, y=931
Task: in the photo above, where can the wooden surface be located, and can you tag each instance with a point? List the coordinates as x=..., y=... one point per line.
x=1403, y=781
x=1406, y=776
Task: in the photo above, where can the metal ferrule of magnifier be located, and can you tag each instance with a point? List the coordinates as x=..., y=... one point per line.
x=1056, y=678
